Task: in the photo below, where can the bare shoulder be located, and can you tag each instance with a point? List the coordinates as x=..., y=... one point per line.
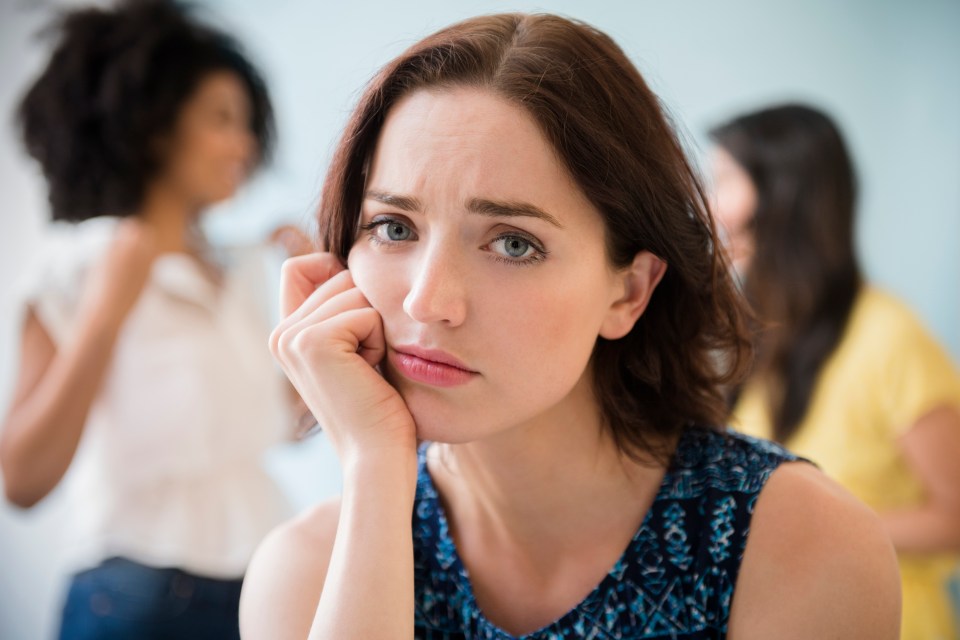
x=285, y=579
x=818, y=564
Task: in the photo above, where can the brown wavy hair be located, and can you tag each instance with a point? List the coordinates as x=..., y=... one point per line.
x=610, y=131
x=804, y=276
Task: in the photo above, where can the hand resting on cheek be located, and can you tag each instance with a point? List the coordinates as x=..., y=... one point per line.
x=330, y=344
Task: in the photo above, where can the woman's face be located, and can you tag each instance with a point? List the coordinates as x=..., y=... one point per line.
x=734, y=206
x=211, y=149
x=478, y=250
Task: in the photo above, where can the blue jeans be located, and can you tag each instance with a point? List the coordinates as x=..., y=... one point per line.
x=122, y=599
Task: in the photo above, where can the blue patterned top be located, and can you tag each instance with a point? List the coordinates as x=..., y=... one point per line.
x=675, y=580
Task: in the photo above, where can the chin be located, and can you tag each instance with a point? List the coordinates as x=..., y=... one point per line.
x=432, y=431
x=445, y=420
x=222, y=196
x=219, y=191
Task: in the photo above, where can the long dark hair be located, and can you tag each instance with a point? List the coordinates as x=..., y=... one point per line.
x=804, y=276
x=608, y=128
x=116, y=81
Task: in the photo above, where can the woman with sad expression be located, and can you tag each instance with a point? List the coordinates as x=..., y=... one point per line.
x=522, y=276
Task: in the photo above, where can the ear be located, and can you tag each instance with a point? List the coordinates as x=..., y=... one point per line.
x=638, y=282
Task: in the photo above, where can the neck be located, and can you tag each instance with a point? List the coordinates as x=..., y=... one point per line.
x=172, y=218
x=561, y=474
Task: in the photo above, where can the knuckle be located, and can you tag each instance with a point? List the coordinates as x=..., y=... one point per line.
x=274, y=341
x=288, y=267
x=304, y=344
x=286, y=342
x=297, y=341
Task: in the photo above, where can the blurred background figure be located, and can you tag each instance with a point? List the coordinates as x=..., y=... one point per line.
x=845, y=375
x=144, y=382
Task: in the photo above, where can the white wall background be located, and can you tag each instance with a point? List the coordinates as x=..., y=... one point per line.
x=888, y=70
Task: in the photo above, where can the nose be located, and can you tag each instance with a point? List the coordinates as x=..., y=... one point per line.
x=438, y=290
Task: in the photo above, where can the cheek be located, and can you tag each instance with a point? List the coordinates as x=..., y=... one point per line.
x=189, y=168
x=525, y=326
x=200, y=149
x=382, y=286
x=541, y=337
x=735, y=204
x=562, y=326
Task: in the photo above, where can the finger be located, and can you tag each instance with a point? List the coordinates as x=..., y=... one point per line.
x=355, y=328
x=334, y=297
x=300, y=277
x=294, y=241
x=335, y=304
x=339, y=283
x=280, y=233
x=360, y=330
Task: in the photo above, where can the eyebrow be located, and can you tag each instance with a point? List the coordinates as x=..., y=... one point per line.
x=404, y=203
x=479, y=206
x=496, y=209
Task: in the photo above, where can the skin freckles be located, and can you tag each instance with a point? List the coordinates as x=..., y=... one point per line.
x=452, y=284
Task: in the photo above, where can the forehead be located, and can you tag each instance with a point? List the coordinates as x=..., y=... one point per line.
x=467, y=142
x=220, y=87
x=441, y=115
x=725, y=165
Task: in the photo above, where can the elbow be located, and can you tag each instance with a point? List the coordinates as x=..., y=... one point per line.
x=20, y=498
x=16, y=490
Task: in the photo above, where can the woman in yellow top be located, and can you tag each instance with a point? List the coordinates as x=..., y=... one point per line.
x=846, y=375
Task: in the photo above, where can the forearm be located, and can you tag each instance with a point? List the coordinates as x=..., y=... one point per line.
x=930, y=448
x=923, y=529
x=368, y=592
x=43, y=429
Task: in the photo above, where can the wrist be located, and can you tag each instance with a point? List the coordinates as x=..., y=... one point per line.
x=382, y=445
x=391, y=469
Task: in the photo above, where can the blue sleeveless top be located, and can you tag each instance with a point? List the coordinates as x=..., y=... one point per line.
x=675, y=580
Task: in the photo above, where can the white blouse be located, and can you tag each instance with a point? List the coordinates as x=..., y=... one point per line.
x=169, y=470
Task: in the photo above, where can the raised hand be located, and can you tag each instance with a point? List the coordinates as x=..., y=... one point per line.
x=292, y=239
x=329, y=344
x=115, y=282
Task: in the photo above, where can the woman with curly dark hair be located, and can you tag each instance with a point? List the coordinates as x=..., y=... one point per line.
x=143, y=376
x=522, y=274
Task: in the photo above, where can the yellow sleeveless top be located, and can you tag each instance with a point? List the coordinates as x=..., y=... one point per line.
x=886, y=373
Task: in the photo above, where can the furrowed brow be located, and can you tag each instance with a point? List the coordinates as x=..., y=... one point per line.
x=404, y=203
x=496, y=209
